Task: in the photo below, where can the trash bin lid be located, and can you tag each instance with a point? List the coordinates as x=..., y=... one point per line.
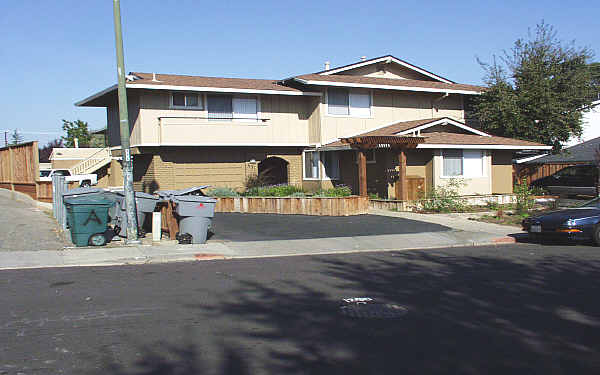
x=195, y=198
x=138, y=194
x=189, y=191
x=96, y=200
x=83, y=190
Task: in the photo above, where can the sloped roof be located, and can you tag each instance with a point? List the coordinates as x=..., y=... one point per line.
x=387, y=58
x=389, y=83
x=216, y=82
x=59, y=153
x=445, y=139
x=583, y=152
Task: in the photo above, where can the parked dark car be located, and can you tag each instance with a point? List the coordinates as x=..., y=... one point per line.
x=574, y=180
x=580, y=223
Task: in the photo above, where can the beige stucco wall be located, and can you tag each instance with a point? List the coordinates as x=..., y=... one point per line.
x=389, y=107
x=479, y=185
x=113, y=130
x=64, y=164
x=502, y=172
x=180, y=167
x=286, y=124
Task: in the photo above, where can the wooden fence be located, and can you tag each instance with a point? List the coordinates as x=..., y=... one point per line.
x=531, y=172
x=316, y=206
x=19, y=168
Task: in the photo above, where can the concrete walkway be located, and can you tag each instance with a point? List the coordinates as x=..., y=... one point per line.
x=463, y=232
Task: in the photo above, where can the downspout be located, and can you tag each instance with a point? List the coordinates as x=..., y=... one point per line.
x=437, y=100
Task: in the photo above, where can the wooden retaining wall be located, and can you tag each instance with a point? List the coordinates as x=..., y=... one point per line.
x=316, y=206
x=469, y=200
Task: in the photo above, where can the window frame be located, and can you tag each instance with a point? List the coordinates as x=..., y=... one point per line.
x=248, y=120
x=199, y=107
x=482, y=157
x=349, y=92
x=304, y=177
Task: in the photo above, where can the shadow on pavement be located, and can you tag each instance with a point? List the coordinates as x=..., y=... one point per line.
x=466, y=315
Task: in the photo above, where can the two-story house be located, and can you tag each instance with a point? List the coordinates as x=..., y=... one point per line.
x=370, y=125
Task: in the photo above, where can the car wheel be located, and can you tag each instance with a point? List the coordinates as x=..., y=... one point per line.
x=597, y=235
x=85, y=184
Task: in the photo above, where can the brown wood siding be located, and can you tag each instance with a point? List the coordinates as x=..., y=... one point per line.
x=532, y=172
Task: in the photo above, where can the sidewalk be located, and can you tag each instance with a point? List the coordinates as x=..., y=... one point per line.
x=464, y=233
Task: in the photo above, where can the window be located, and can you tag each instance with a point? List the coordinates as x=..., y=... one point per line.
x=227, y=108
x=462, y=163
x=181, y=100
x=311, y=164
x=342, y=102
x=331, y=161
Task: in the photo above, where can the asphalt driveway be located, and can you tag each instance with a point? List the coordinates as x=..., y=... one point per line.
x=264, y=227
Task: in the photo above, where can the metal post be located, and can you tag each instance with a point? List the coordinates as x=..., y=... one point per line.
x=132, y=234
x=59, y=187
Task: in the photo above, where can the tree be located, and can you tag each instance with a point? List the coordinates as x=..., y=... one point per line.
x=538, y=91
x=76, y=129
x=47, y=149
x=16, y=138
x=595, y=72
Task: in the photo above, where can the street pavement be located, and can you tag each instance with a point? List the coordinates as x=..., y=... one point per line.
x=26, y=243
x=27, y=227
x=512, y=309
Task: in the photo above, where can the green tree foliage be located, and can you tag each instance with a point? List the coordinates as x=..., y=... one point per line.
x=76, y=129
x=16, y=138
x=537, y=91
x=595, y=72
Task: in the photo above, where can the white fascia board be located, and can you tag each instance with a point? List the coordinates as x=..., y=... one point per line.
x=222, y=144
x=386, y=58
x=444, y=121
x=484, y=147
x=523, y=160
x=386, y=87
x=220, y=89
x=96, y=95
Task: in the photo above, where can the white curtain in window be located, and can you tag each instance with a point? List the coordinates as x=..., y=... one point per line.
x=472, y=163
x=337, y=102
x=245, y=109
x=452, y=160
x=360, y=104
x=311, y=164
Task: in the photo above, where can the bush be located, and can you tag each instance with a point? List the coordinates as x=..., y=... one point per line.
x=222, y=192
x=257, y=181
x=338, y=191
x=282, y=190
x=444, y=198
x=524, y=197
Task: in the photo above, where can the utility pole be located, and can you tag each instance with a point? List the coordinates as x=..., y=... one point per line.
x=6, y=138
x=132, y=233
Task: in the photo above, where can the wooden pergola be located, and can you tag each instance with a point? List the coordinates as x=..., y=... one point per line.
x=398, y=144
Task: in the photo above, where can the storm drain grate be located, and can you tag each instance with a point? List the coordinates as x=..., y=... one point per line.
x=366, y=308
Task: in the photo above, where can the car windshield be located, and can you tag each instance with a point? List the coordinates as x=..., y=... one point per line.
x=44, y=173
x=594, y=203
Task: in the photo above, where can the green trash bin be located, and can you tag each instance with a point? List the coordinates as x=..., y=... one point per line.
x=88, y=219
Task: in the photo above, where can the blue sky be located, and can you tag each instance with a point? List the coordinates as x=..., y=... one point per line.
x=55, y=53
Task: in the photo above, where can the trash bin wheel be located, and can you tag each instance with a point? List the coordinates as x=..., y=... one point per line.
x=97, y=239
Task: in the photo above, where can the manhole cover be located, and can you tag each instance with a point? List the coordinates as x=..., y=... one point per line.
x=373, y=310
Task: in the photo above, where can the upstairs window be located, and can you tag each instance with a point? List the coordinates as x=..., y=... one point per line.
x=182, y=100
x=227, y=108
x=342, y=102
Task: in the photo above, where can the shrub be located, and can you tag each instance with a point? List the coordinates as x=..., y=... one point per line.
x=338, y=191
x=444, y=198
x=373, y=196
x=298, y=194
x=282, y=190
x=257, y=181
x=222, y=192
x=524, y=197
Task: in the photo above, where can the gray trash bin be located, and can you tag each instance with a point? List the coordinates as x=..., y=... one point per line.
x=144, y=203
x=167, y=195
x=195, y=216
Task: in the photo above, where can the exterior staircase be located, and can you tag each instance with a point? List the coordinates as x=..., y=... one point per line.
x=94, y=162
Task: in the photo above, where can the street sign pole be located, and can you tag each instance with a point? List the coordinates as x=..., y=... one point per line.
x=132, y=234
